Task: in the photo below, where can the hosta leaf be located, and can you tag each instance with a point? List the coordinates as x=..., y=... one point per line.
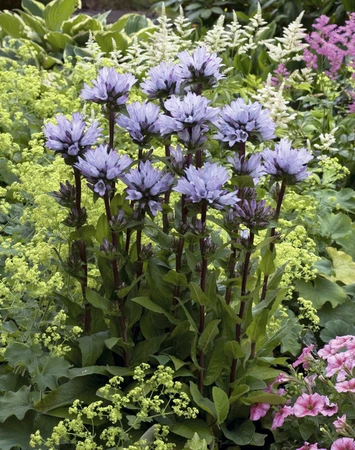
x=33, y=7
x=11, y=24
x=57, y=11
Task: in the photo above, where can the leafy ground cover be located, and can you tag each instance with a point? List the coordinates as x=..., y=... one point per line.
x=176, y=224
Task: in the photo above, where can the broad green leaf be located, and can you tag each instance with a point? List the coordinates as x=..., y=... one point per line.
x=57, y=11
x=241, y=435
x=175, y=278
x=344, y=311
x=257, y=329
x=89, y=24
x=82, y=388
x=95, y=299
x=91, y=347
x=147, y=303
x=202, y=402
x=16, y=433
x=145, y=348
x=102, y=227
x=215, y=363
x=234, y=348
x=11, y=24
x=50, y=370
x=19, y=354
x=196, y=443
x=344, y=266
x=16, y=403
x=335, y=225
x=335, y=328
x=321, y=291
x=238, y=392
x=221, y=403
x=135, y=23
x=264, y=397
x=197, y=294
x=35, y=23
x=105, y=38
x=57, y=40
x=33, y=7
x=267, y=264
x=205, y=342
x=188, y=428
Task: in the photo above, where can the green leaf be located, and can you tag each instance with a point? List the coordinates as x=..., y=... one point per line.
x=344, y=266
x=196, y=443
x=91, y=347
x=11, y=24
x=264, y=397
x=335, y=328
x=175, y=278
x=145, y=348
x=57, y=11
x=238, y=392
x=147, y=303
x=135, y=23
x=104, y=39
x=16, y=433
x=188, y=428
x=221, y=403
x=95, y=299
x=242, y=435
x=267, y=264
x=335, y=225
x=234, y=348
x=206, y=340
x=257, y=329
x=16, y=403
x=57, y=40
x=33, y=7
x=19, y=354
x=197, y=294
x=202, y=402
x=215, y=363
x=102, y=229
x=52, y=368
x=321, y=291
x=82, y=388
x=35, y=23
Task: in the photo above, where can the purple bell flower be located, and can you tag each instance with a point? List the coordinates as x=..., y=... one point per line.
x=101, y=167
x=286, y=163
x=251, y=166
x=239, y=122
x=110, y=88
x=163, y=81
x=142, y=121
x=205, y=184
x=69, y=137
x=145, y=185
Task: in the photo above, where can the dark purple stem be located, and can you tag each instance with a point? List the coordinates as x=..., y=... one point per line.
x=116, y=277
x=167, y=194
x=203, y=288
x=272, y=233
x=82, y=251
x=111, y=122
x=242, y=149
x=232, y=258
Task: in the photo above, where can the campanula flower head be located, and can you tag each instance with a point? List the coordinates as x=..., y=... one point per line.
x=69, y=137
x=101, y=167
x=110, y=88
x=255, y=215
x=199, y=68
x=189, y=118
x=178, y=159
x=247, y=166
x=145, y=186
x=163, y=81
x=242, y=121
x=142, y=121
x=206, y=184
x=286, y=163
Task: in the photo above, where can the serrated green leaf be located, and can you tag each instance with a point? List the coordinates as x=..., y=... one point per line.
x=16, y=403
x=335, y=225
x=321, y=291
x=16, y=433
x=57, y=11
x=221, y=403
x=343, y=265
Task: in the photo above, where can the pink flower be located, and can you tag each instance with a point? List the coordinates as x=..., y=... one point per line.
x=280, y=416
x=308, y=405
x=346, y=386
x=258, y=410
x=340, y=424
x=305, y=357
x=343, y=444
x=307, y=446
x=329, y=409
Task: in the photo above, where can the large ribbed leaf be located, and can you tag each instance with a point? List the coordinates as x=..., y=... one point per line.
x=33, y=7
x=57, y=11
x=11, y=24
